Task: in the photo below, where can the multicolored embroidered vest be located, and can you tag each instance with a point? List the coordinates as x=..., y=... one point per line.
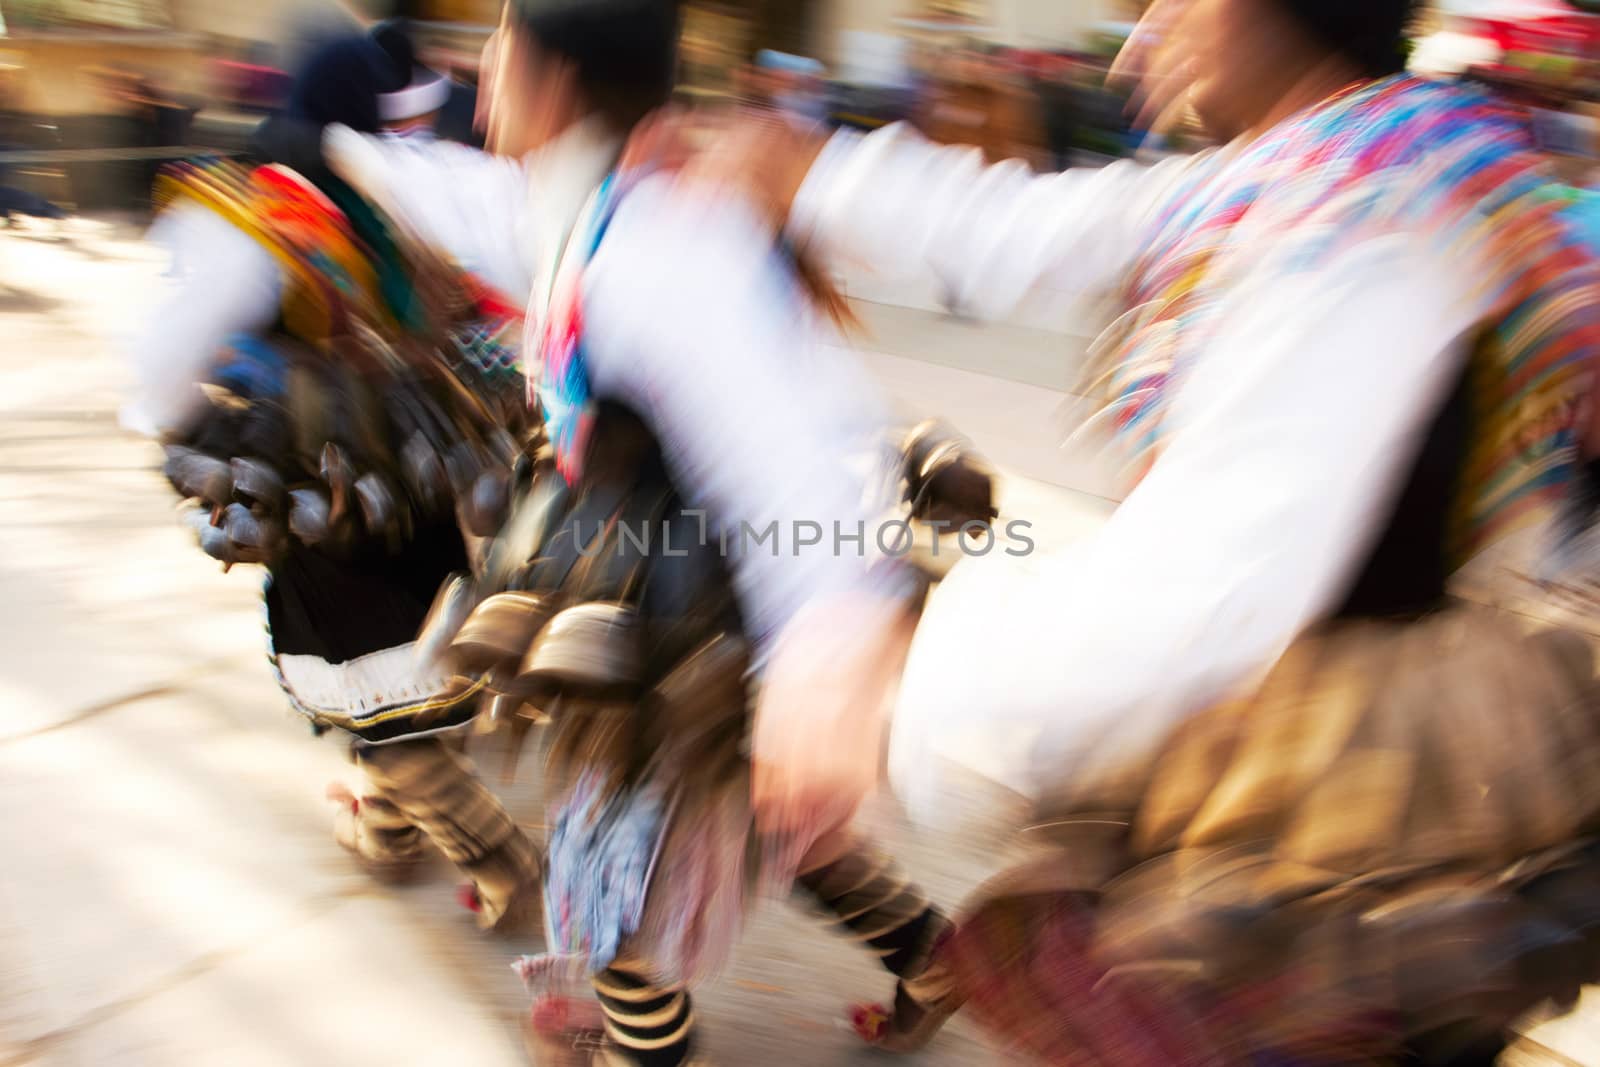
x=329, y=271
x=345, y=264
x=1449, y=164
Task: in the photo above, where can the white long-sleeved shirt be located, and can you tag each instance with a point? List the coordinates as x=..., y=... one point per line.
x=471, y=205
x=693, y=320
x=696, y=322
x=1283, y=451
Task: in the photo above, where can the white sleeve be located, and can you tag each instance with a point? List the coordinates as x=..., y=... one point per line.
x=468, y=204
x=694, y=321
x=223, y=282
x=895, y=203
x=1288, y=441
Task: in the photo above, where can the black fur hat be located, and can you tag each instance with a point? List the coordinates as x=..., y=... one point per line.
x=340, y=83
x=616, y=45
x=1371, y=33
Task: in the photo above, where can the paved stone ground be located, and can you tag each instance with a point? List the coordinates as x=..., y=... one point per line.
x=169, y=894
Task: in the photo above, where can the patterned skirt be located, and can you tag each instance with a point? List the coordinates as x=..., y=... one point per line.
x=653, y=856
x=1392, y=846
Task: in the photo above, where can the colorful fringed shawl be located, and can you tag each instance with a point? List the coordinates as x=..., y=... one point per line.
x=1447, y=164
x=330, y=270
x=560, y=380
x=343, y=260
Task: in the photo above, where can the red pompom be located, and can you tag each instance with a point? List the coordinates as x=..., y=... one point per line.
x=550, y=1015
x=870, y=1022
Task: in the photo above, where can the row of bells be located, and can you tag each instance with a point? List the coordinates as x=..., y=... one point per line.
x=529, y=645
x=323, y=469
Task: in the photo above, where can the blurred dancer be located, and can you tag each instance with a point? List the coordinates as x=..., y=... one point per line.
x=1355, y=350
x=680, y=363
x=342, y=616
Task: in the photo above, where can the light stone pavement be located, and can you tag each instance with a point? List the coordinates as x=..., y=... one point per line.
x=169, y=891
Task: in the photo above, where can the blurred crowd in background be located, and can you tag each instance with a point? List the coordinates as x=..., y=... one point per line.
x=94, y=92
x=99, y=95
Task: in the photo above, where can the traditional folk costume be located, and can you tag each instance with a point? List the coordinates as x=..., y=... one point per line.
x=1300, y=807
x=662, y=333
x=367, y=396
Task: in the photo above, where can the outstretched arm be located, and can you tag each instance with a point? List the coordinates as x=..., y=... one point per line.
x=468, y=204
x=898, y=204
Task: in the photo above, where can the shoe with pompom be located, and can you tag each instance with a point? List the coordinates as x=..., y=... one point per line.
x=384, y=844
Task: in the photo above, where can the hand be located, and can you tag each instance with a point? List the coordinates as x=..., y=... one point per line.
x=665, y=141
x=766, y=158
x=1149, y=36
x=762, y=158
x=823, y=713
x=1156, y=64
